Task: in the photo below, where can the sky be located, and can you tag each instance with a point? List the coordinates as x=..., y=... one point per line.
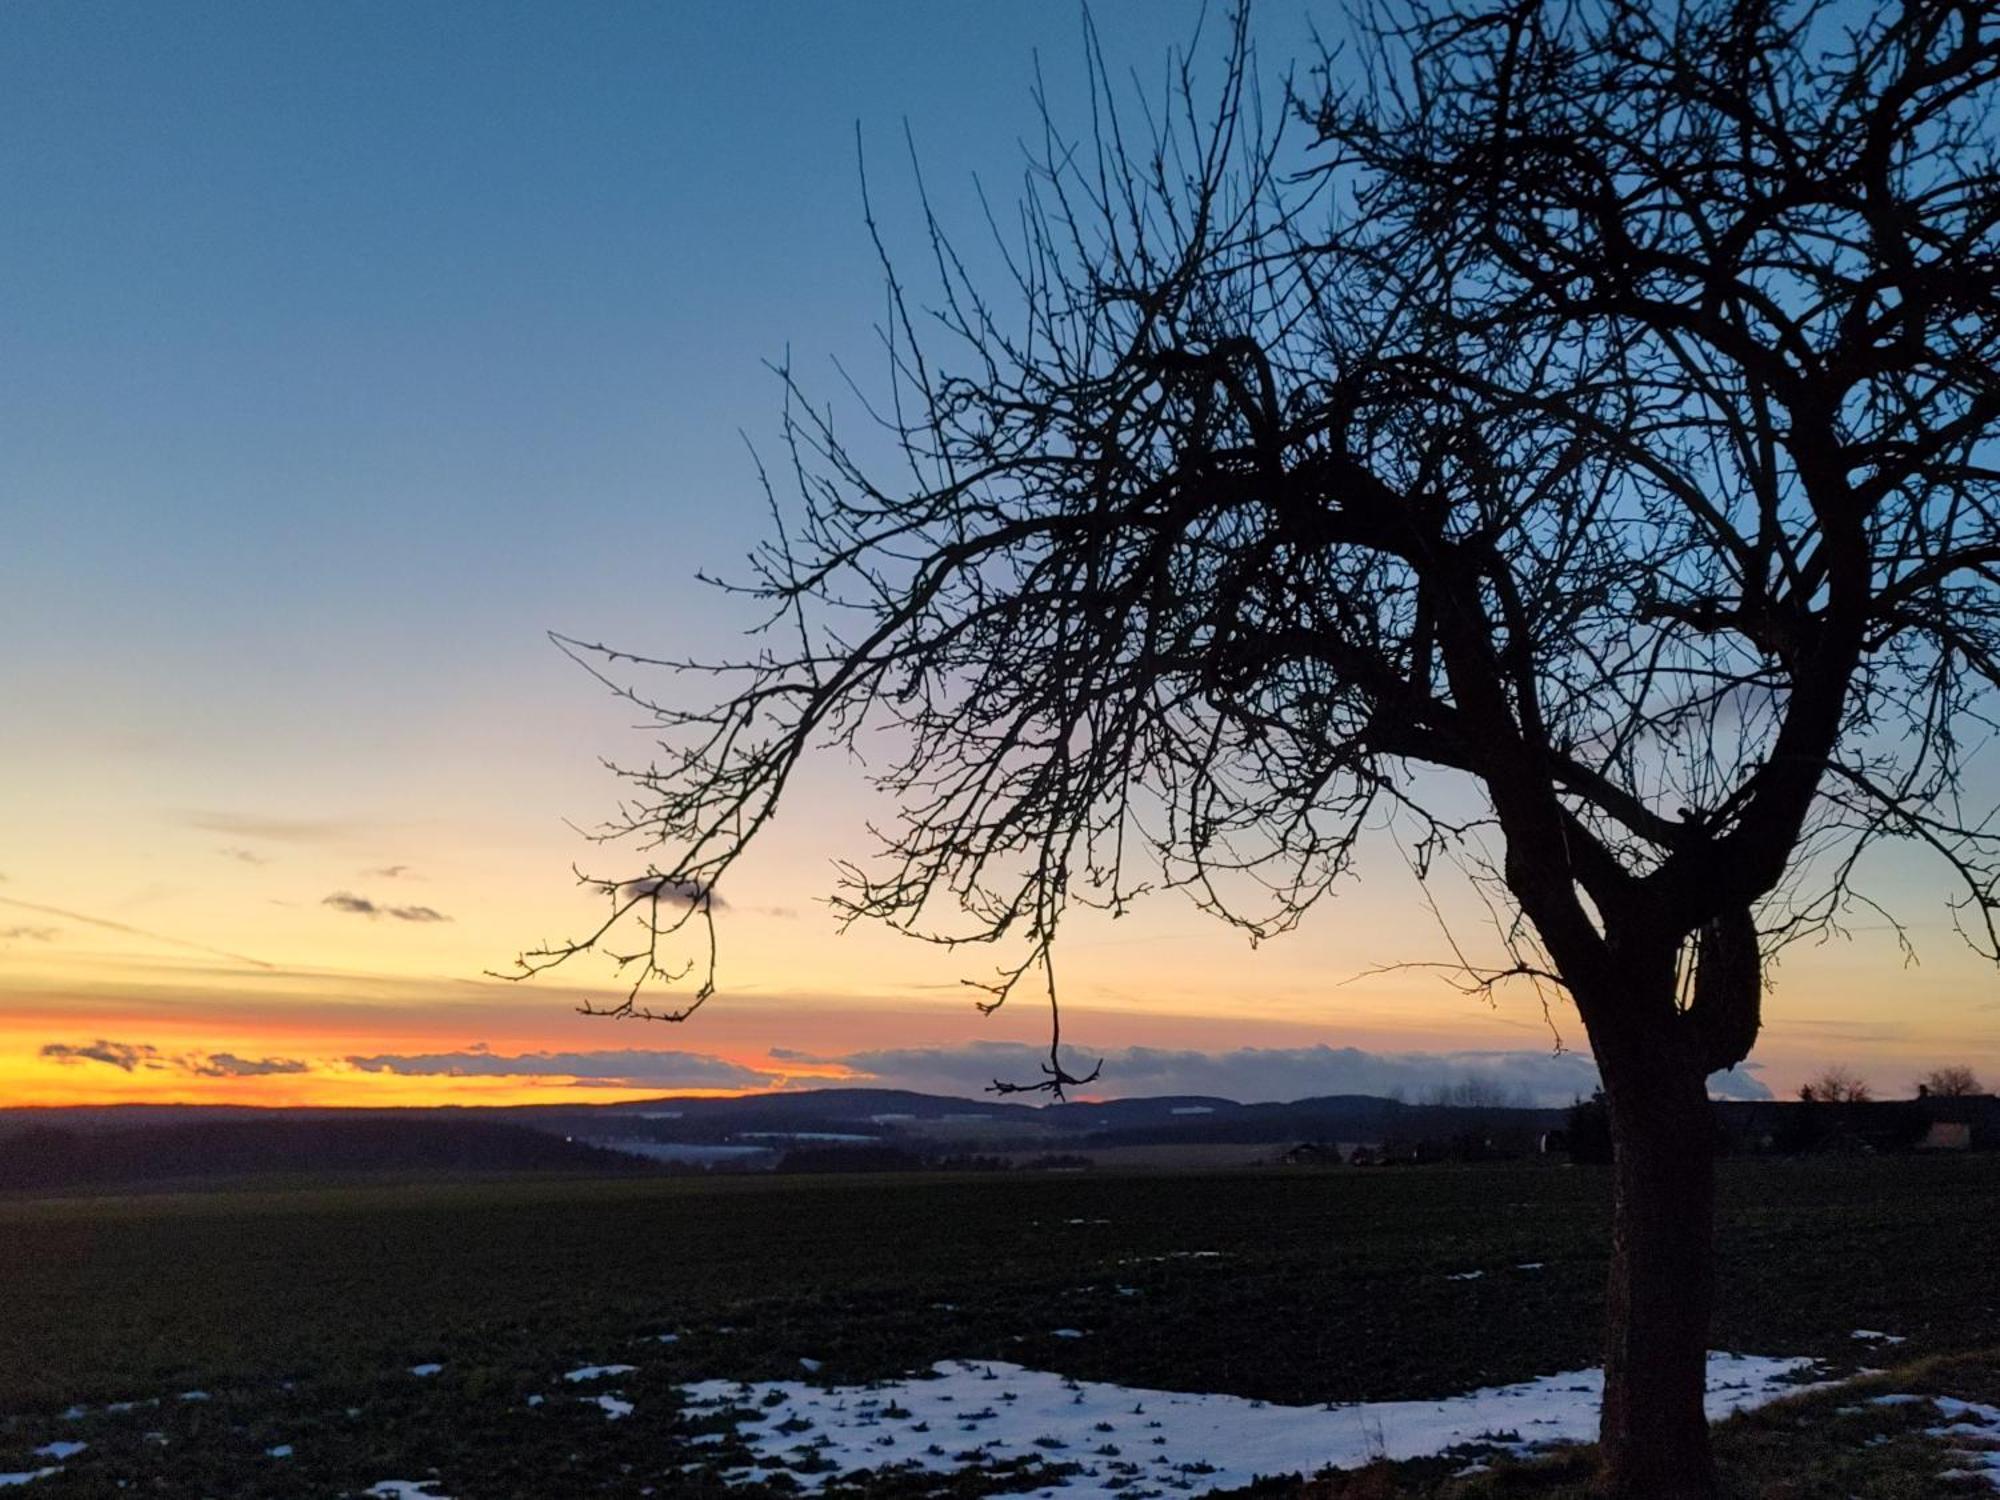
x=345, y=352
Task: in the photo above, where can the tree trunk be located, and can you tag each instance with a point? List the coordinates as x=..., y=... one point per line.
x=1654, y=1433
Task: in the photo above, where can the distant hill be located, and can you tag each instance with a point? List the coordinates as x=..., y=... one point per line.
x=44, y=1156
x=136, y=1143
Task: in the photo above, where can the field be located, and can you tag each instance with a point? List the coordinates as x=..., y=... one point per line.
x=298, y=1312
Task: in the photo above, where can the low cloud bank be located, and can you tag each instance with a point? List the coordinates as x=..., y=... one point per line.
x=631, y=1067
x=136, y=1057
x=1260, y=1074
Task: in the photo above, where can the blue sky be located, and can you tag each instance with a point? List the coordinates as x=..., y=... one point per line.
x=345, y=350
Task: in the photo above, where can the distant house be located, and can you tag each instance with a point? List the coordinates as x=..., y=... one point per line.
x=1977, y=1115
x=1312, y=1154
x=1947, y=1135
x=1927, y=1123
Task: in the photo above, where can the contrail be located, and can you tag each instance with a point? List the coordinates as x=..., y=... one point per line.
x=157, y=937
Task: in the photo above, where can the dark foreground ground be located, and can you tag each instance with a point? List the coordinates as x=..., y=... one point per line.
x=299, y=1310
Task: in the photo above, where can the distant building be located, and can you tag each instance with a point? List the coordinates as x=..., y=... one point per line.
x=1312, y=1154
x=1947, y=1135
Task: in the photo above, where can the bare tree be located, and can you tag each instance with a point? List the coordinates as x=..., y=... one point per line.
x=1837, y=1084
x=1955, y=1082
x=1571, y=446
x=1477, y=1092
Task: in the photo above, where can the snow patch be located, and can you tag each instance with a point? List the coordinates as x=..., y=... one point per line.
x=972, y=1413
x=597, y=1372
x=422, y=1372
x=1870, y=1336
x=60, y=1450
x=1974, y=1421
x=614, y=1407
x=28, y=1476
x=405, y=1489
x=282, y=1450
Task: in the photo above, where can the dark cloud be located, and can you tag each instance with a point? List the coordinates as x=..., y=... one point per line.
x=390, y=872
x=245, y=856
x=689, y=891
x=229, y=1065
x=1259, y=1074
x=361, y=906
x=127, y=1057
x=794, y=1055
x=632, y=1067
x=132, y=1057
x=29, y=934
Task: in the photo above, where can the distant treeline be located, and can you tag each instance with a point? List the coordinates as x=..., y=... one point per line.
x=1774, y=1127
x=42, y=1157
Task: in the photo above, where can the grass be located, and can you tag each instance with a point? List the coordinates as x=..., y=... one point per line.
x=294, y=1306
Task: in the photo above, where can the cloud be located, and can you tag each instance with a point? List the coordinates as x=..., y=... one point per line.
x=245, y=856
x=132, y=1057
x=361, y=906
x=1739, y=1083
x=29, y=934
x=631, y=1067
x=229, y=1065
x=689, y=891
x=1255, y=1074
x=390, y=872
x=127, y=1057
x=126, y=927
x=277, y=830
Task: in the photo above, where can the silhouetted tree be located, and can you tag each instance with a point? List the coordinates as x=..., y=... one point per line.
x=1950, y=1083
x=1837, y=1084
x=1578, y=456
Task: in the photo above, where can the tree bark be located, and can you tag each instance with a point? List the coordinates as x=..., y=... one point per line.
x=1654, y=1432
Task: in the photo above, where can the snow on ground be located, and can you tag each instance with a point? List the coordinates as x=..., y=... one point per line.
x=597, y=1372
x=423, y=1372
x=60, y=1450
x=1129, y=1440
x=614, y=1406
x=405, y=1489
x=1870, y=1336
x=27, y=1476
x=1973, y=1427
